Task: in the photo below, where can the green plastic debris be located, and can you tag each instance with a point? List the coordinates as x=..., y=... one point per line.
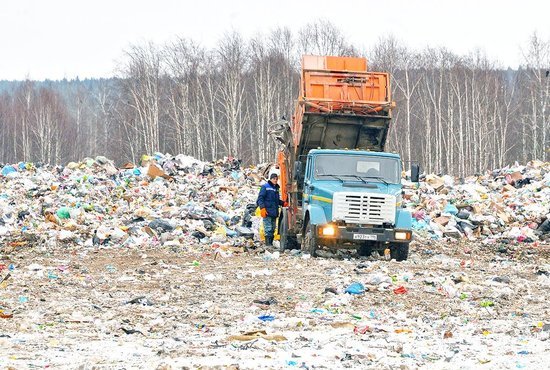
x=487, y=304
x=63, y=213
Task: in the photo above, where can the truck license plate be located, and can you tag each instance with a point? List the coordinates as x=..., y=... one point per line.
x=365, y=237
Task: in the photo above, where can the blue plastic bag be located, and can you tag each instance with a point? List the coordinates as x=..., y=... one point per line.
x=229, y=232
x=451, y=209
x=235, y=175
x=223, y=215
x=419, y=225
x=7, y=170
x=355, y=288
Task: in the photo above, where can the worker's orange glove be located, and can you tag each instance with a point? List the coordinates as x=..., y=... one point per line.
x=263, y=212
x=285, y=204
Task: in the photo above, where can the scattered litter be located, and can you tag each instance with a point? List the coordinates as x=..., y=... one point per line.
x=400, y=290
x=266, y=302
x=259, y=334
x=355, y=288
x=140, y=300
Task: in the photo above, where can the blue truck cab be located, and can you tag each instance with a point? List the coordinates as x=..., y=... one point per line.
x=353, y=198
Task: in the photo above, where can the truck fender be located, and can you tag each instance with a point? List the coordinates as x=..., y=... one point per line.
x=403, y=220
x=316, y=214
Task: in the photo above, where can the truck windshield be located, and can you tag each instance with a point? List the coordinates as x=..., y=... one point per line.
x=356, y=167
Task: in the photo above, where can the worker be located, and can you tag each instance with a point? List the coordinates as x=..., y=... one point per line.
x=269, y=202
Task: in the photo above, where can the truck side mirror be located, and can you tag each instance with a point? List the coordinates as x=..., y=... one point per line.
x=415, y=172
x=297, y=170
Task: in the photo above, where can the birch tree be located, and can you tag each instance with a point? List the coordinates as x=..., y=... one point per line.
x=142, y=74
x=323, y=38
x=232, y=56
x=537, y=115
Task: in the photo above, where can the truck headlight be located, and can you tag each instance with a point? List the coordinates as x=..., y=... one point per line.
x=328, y=230
x=402, y=235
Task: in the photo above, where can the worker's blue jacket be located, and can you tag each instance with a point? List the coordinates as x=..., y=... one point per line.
x=270, y=199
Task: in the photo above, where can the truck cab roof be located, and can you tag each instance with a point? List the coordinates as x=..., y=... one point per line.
x=354, y=152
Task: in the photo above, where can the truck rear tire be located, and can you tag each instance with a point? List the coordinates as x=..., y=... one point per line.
x=399, y=251
x=310, y=243
x=286, y=241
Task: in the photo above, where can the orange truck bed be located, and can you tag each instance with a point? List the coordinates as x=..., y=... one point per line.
x=342, y=84
x=341, y=105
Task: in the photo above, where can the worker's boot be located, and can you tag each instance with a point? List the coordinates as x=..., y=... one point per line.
x=268, y=241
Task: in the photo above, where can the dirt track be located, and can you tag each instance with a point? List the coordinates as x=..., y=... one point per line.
x=466, y=306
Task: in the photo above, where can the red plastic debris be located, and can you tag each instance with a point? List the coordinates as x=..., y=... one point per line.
x=361, y=330
x=400, y=290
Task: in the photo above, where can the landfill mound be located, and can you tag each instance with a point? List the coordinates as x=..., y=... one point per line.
x=178, y=201
x=167, y=201
x=160, y=266
x=503, y=206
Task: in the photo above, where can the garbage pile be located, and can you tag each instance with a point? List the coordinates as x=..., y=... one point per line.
x=180, y=202
x=171, y=201
x=510, y=204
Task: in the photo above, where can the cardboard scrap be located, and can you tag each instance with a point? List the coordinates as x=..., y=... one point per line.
x=442, y=220
x=259, y=334
x=513, y=177
x=504, y=217
x=343, y=324
x=435, y=182
x=154, y=171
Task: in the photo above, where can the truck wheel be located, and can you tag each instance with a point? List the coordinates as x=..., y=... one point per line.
x=310, y=242
x=287, y=241
x=399, y=251
x=364, y=250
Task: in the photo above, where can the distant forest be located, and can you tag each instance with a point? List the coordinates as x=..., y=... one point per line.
x=457, y=114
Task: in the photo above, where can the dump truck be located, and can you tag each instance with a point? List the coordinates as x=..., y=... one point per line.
x=343, y=189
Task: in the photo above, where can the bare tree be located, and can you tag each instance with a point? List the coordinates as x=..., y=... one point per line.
x=323, y=38
x=232, y=61
x=185, y=63
x=142, y=82
x=537, y=59
x=23, y=100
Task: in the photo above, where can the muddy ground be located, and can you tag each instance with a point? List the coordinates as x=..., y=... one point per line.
x=460, y=306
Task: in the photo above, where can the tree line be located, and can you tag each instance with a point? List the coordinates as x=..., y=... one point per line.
x=458, y=114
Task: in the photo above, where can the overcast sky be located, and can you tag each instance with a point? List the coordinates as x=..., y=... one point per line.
x=54, y=39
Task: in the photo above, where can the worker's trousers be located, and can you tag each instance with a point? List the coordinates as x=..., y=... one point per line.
x=269, y=226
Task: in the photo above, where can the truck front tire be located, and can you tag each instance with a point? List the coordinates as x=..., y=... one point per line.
x=365, y=250
x=310, y=243
x=399, y=251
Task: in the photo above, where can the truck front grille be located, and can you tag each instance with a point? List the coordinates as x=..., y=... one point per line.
x=363, y=208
